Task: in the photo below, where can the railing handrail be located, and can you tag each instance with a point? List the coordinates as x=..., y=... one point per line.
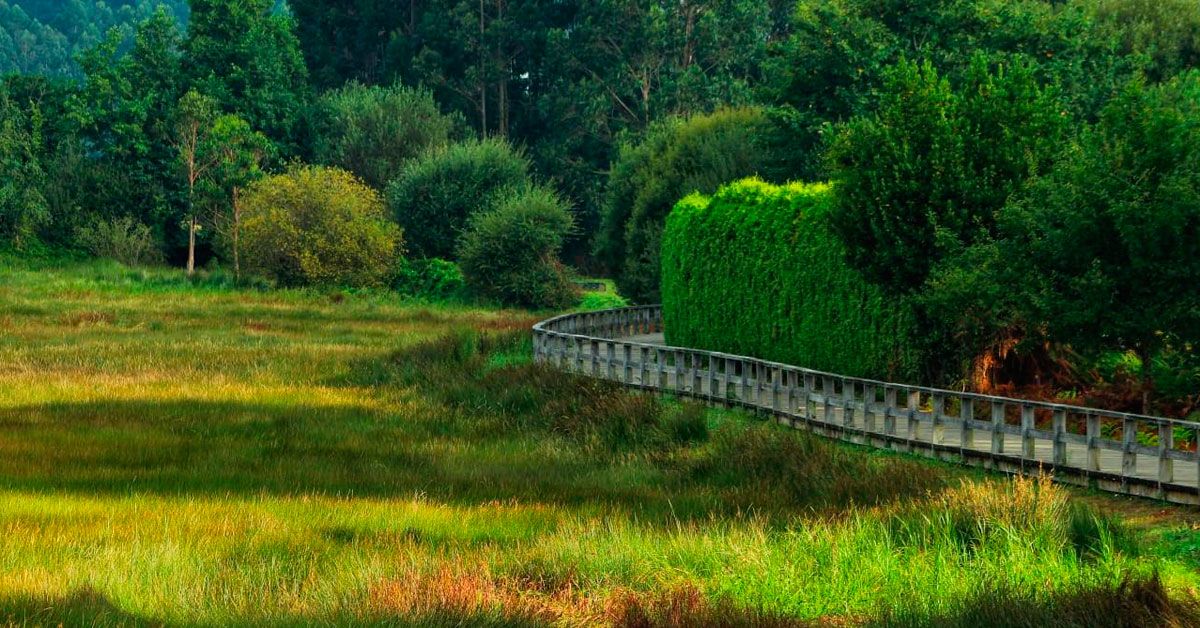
x=543, y=327
x=611, y=327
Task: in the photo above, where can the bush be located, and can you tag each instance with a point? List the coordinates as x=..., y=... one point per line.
x=755, y=270
x=122, y=239
x=432, y=279
x=926, y=174
x=595, y=301
x=510, y=253
x=318, y=226
x=1101, y=251
x=435, y=196
x=373, y=131
x=676, y=159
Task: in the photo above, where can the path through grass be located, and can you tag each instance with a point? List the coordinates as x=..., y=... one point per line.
x=196, y=455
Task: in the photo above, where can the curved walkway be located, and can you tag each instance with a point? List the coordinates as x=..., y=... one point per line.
x=1112, y=451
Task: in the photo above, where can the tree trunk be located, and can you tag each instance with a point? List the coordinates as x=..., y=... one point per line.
x=191, y=261
x=483, y=116
x=237, y=228
x=504, y=67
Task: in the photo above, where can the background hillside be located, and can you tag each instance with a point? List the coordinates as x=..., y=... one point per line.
x=43, y=36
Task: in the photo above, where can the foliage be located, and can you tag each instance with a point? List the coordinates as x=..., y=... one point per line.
x=429, y=278
x=318, y=226
x=595, y=301
x=566, y=79
x=834, y=64
x=23, y=208
x=510, y=252
x=245, y=55
x=1104, y=248
x=1161, y=36
x=926, y=174
x=677, y=158
x=373, y=131
x=122, y=239
x=755, y=270
x=123, y=117
x=434, y=197
x=43, y=37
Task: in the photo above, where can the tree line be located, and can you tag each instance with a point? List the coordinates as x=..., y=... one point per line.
x=957, y=134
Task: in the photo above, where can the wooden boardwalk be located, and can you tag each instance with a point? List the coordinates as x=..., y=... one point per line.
x=1111, y=451
x=1076, y=453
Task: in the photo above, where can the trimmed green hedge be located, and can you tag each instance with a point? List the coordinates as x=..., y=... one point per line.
x=755, y=270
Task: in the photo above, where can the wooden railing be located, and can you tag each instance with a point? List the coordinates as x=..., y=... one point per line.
x=1113, y=451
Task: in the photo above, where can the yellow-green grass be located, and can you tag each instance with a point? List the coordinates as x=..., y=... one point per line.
x=186, y=454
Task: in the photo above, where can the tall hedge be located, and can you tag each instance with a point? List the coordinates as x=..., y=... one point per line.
x=755, y=270
x=676, y=158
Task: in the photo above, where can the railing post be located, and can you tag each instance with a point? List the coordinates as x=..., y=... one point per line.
x=578, y=354
x=810, y=387
x=661, y=359
x=1129, y=441
x=745, y=392
x=1093, y=442
x=868, y=412
x=1166, y=442
x=827, y=388
x=612, y=359
x=1060, y=437
x=937, y=435
x=644, y=375
x=679, y=380
x=966, y=412
x=714, y=382
x=776, y=388
x=997, y=427
x=627, y=356
x=914, y=424
x=889, y=411
x=1028, y=442
x=595, y=350
x=848, y=387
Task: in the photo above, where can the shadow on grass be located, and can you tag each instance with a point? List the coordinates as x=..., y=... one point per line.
x=596, y=447
x=84, y=607
x=1136, y=601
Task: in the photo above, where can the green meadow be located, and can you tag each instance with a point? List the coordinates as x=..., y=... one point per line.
x=183, y=452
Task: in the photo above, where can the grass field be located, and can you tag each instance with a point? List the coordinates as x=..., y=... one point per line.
x=195, y=455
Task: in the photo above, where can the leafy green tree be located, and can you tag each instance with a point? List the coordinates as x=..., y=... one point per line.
x=43, y=37
x=318, y=226
x=1106, y=247
x=194, y=141
x=510, y=252
x=567, y=79
x=123, y=115
x=245, y=55
x=239, y=155
x=836, y=63
x=373, y=131
x=678, y=158
x=29, y=47
x=1162, y=37
x=436, y=195
x=23, y=208
x=925, y=175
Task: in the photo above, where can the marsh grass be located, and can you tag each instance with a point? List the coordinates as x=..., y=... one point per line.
x=185, y=454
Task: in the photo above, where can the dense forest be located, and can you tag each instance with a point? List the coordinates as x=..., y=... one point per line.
x=45, y=36
x=518, y=141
